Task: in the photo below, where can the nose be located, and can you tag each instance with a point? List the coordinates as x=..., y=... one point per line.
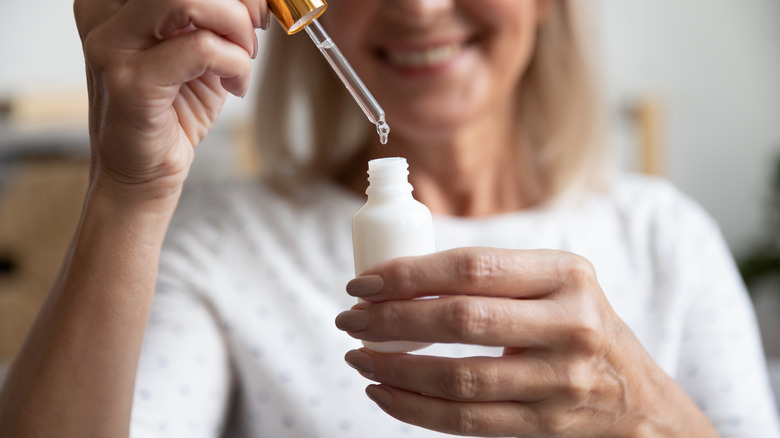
x=422, y=11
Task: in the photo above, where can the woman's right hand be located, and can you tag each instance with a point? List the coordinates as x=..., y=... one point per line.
x=158, y=73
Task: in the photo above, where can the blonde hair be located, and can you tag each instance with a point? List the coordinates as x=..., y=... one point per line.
x=309, y=127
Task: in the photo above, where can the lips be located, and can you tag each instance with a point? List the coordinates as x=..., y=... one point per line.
x=423, y=58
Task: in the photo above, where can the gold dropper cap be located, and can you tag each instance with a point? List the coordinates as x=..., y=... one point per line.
x=294, y=15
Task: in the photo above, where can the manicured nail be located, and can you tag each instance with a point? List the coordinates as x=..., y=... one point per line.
x=265, y=20
x=365, y=286
x=380, y=396
x=360, y=361
x=352, y=320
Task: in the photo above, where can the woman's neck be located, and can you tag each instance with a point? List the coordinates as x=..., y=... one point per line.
x=476, y=171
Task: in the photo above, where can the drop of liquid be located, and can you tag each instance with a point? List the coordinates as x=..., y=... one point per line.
x=383, y=129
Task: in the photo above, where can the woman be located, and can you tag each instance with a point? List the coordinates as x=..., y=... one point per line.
x=635, y=324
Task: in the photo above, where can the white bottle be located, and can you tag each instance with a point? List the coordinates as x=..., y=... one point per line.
x=391, y=224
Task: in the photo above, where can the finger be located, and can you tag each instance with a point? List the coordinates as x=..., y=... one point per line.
x=469, y=320
x=211, y=54
x=516, y=377
x=481, y=271
x=197, y=102
x=153, y=74
x=143, y=23
x=91, y=13
x=259, y=12
x=459, y=418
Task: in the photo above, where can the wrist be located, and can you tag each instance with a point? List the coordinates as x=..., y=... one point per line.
x=158, y=197
x=139, y=210
x=666, y=410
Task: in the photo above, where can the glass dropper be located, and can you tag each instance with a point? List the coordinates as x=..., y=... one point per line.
x=359, y=92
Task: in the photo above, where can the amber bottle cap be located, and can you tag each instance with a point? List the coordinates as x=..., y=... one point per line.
x=294, y=15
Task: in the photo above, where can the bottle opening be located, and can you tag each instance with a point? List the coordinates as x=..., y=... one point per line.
x=388, y=176
x=388, y=164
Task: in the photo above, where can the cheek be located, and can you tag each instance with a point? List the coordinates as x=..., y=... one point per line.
x=511, y=28
x=512, y=45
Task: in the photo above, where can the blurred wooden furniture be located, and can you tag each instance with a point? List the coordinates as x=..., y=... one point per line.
x=43, y=178
x=40, y=204
x=647, y=116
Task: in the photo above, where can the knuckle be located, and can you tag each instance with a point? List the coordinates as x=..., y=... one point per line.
x=390, y=321
x=580, y=272
x=586, y=332
x=96, y=54
x=586, y=336
x=578, y=381
x=557, y=425
x=203, y=42
x=180, y=10
x=462, y=383
x=469, y=319
x=86, y=15
x=401, y=277
x=463, y=420
x=477, y=268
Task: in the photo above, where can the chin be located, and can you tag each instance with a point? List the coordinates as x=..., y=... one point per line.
x=425, y=132
x=431, y=120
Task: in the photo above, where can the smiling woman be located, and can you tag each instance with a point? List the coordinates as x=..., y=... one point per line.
x=562, y=301
x=441, y=71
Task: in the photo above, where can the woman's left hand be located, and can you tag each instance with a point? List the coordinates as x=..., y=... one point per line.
x=570, y=366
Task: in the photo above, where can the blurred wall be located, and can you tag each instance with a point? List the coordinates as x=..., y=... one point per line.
x=40, y=46
x=715, y=68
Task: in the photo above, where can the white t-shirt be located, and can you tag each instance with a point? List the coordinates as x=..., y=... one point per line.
x=241, y=339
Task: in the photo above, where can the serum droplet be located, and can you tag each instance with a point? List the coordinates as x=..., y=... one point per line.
x=383, y=129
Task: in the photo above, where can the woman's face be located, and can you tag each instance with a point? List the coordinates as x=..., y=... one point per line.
x=437, y=65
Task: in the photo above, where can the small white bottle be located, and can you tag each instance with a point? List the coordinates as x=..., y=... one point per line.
x=391, y=224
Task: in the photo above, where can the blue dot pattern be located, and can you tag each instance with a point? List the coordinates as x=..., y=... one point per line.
x=241, y=341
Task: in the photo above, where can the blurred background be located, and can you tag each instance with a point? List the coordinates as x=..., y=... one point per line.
x=692, y=88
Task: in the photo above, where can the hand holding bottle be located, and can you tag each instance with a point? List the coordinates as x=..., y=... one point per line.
x=570, y=364
x=158, y=72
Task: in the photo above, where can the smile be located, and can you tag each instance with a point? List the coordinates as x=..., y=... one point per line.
x=423, y=58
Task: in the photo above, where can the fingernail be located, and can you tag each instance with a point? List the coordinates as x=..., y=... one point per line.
x=360, y=361
x=265, y=20
x=257, y=47
x=380, y=396
x=365, y=286
x=352, y=320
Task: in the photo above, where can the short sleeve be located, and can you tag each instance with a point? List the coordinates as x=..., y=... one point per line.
x=183, y=385
x=721, y=364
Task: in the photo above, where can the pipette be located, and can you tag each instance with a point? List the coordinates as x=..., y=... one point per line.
x=359, y=92
x=295, y=15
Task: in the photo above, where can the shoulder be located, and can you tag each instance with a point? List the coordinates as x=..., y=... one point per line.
x=680, y=238
x=648, y=195
x=656, y=205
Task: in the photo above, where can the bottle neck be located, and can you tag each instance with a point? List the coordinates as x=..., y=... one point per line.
x=388, y=177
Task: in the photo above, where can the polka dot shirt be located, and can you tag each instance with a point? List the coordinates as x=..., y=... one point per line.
x=241, y=340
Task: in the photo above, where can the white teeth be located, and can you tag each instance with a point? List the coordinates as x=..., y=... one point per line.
x=424, y=58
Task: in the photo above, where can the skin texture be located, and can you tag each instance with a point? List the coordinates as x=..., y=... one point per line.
x=158, y=72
